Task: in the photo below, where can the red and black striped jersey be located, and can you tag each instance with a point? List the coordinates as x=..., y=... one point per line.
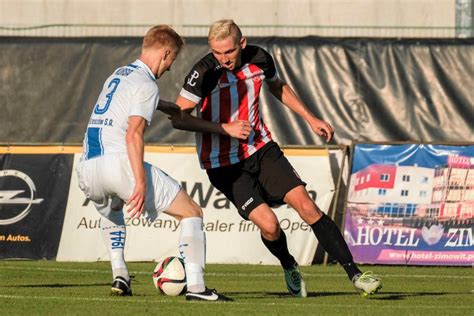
x=225, y=96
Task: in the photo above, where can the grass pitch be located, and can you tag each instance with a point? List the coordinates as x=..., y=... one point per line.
x=55, y=288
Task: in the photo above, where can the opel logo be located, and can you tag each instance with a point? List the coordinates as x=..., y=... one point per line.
x=9, y=197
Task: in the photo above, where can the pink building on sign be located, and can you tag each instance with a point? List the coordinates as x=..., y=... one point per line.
x=453, y=189
x=445, y=193
x=392, y=190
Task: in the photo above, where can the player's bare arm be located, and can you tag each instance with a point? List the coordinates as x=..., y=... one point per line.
x=135, y=149
x=283, y=92
x=181, y=119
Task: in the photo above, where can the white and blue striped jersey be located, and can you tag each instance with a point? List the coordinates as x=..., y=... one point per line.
x=130, y=91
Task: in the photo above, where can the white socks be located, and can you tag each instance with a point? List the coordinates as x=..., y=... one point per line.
x=113, y=233
x=192, y=247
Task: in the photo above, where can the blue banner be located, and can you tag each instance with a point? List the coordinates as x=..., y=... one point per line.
x=411, y=204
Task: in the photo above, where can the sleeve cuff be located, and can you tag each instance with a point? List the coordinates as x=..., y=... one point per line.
x=190, y=96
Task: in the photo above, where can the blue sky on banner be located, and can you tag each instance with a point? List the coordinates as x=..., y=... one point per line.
x=422, y=155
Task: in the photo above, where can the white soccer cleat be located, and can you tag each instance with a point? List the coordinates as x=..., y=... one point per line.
x=207, y=295
x=367, y=283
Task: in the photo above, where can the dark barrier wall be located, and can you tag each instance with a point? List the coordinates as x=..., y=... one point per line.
x=369, y=89
x=33, y=205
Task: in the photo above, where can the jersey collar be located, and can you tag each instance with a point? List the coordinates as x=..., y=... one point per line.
x=144, y=66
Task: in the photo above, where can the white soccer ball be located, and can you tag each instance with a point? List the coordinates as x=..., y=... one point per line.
x=169, y=276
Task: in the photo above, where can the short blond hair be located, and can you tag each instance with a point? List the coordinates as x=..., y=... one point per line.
x=224, y=28
x=162, y=35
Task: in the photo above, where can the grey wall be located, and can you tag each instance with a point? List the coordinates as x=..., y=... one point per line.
x=370, y=90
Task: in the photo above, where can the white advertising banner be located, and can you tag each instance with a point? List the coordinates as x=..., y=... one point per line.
x=230, y=239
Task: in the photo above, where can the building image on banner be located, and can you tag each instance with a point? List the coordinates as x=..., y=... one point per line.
x=411, y=204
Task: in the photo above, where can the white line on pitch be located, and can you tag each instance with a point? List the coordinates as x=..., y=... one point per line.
x=292, y=303
x=431, y=276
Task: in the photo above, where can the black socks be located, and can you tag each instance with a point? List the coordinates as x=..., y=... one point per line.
x=330, y=237
x=279, y=248
x=351, y=270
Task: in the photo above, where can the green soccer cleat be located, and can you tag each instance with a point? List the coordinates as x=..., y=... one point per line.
x=294, y=281
x=367, y=283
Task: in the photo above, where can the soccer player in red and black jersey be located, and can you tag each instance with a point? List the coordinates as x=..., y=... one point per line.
x=242, y=160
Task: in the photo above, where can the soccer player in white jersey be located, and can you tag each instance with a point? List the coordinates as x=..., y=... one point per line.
x=113, y=174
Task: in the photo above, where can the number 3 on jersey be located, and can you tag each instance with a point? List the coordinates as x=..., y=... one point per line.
x=112, y=86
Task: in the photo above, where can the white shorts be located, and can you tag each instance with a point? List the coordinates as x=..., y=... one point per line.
x=103, y=178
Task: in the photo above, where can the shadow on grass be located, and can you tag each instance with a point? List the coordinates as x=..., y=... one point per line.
x=54, y=285
x=382, y=296
x=397, y=296
x=286, y=294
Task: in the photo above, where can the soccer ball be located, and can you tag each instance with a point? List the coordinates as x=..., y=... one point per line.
x=169, y=276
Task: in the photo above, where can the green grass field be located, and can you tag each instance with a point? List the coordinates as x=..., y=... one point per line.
x=55, y=288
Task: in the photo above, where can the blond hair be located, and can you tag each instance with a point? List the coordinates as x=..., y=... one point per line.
x=224, y=28
x=161, y=36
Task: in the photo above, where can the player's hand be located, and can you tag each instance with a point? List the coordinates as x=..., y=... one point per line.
x=136, y=203
x=238, y=129
x=323, y=129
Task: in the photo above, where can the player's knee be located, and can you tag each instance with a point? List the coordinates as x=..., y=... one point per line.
x=194, y=210
x=270, y=231
x=309, y=211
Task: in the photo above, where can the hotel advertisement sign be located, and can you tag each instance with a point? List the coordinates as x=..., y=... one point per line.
x=411, y=204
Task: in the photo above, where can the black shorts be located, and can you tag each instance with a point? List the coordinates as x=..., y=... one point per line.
x=264, y=177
